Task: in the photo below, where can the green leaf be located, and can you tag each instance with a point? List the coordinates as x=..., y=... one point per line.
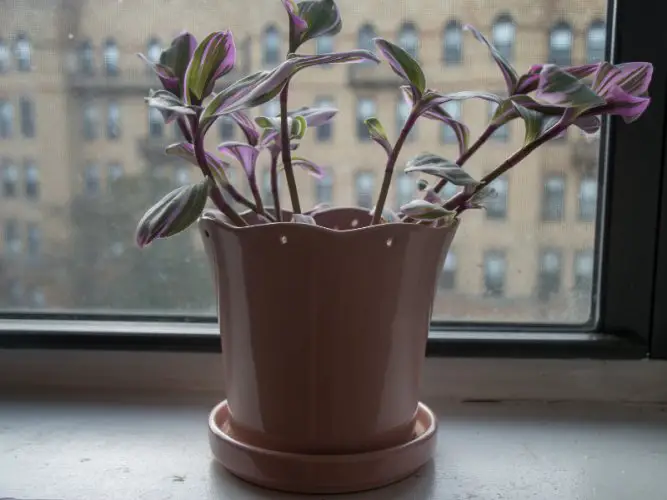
x=177, y=56
x=440, y=167
x=213, y=58
x=323, y=19
x=378, y=134
x=298, y=127
x=403, y=64
x=169, y=104
x=423, y=210
x=509, y=73
x=533, y=120
x=422, y=185
x=559, y=88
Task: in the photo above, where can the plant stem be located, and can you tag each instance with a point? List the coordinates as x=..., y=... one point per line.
x=256, y=194
x=471, y=151
x=242, y=200
x=182, y=125
x=274, y=187
x=391, y=163
x=286, y=152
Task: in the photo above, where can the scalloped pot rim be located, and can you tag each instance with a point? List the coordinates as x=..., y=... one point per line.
x=216, y=217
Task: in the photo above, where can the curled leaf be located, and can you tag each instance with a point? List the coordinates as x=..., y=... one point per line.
x=322, y=18
x=245, y=154
x=403, y=64
x=556, y=87
x=309, y=166
x=229, y=95
x=431, y=164
x=213, y=58
x=509, y=73
x=315, y=116
x=168, y=104
x=378, y=134
x=423, y=210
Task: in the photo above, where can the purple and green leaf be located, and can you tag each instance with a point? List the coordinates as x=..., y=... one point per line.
x=378, y=134
x=321, y=18
x=213, y=58
x=509, y=73
x=168, y=104
x=424, y=210
x=403, y=64
x=558, y=88
x=245, y=154
x=311, y=167
x=435, y=165
x=186, y=151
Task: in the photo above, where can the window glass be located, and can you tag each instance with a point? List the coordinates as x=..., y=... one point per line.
x=324, y=132
x=549, y=276
x=588, y=199
x=495, y=272
x=86, y=58
x=496, y=206
x=91, y=178
x=553, y=203
x=365, y=37
x=402, y=113
x=502, y=36
x=365, y=189
x=447, y=279
x=408, y=39
x=271, y=51
x=27, y=110
x=366, y=108
x=4, y=56
x=111, y=55
x=227, y=128
x=324, y=45
x=31, y=180
x=90, y=120
x=6, y=119
x=452, y=52
x=447, y=134
x=153, y=50
x=155, y=123
x=324, y=188
x=406, y=189
x=560, y=45
x=113, y=120
x=10, y=178
x=596, y=41
x=23, y=53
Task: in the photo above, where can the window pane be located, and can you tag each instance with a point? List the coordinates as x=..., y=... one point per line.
x=82, y=157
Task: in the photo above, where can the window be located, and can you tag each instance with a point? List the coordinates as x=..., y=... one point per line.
x=12, y=237
x=560, y=45
x=111, y=55
x=182, y=176
x=4, y=56
x=549, y=276
x=452, y=51
x=502, y=133
x=365, y=189
x=502, y=36
x=553, y=203
x=226, y=128
x=271, y=109
x=324, y=45
x=113, y=120
x=496, y=206
x=365, y=109
x=408, y=39
x=447, y=134
x=115, y=172
x=86, y=58
x=31, y=180
x=406, y=189
x=6, y=119
x=324, y=133
x=91, y=179
x=10, y=178
x=34, y=239
x=596, y=41
x=271, y=55
x=90, y=121
x=27, y=112
x=584, y=264
x=447, y=279
x=324, y=188
x=588, y=199
x=365, y=37
x=23, y=53
x=403, y=109
x=155, y=123
x=154, y=50
x=265, y=188
x=495, y=272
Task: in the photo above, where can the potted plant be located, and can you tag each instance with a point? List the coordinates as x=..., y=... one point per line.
x=324, y=312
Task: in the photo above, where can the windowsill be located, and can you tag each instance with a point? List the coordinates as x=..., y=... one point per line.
x=119, y=447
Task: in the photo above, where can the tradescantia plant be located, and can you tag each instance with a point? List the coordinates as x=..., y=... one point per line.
x=547, y=98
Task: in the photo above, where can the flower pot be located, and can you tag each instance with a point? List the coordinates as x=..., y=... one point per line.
x=324, y=328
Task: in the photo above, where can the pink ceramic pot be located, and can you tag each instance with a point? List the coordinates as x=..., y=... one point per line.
x=324, y=328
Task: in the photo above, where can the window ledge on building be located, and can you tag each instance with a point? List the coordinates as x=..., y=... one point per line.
x=116, y=447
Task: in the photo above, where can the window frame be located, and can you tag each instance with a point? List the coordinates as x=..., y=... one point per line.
x=630, y=325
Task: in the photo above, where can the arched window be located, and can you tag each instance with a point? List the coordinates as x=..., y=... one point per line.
x=90, y=120
x=155, y=123
x=6, y=119
x=324, y=188
x=271, y=46
x=452, y=39
x=408, y=39
x=91, y=179
x=588, y=199
x=365, y=189
x=324, y=45
x=596, y=41
x=365, y=37
x=10, y=178
x=560, y=44
x=23, y=52
x=111, y=56
x=495, y=272
x=4, y=56
x=31, y=180
x=27, y=117
x=503, y=35
x=86, y=58
x=113, y=120
x=553, y=203
x=153, y=50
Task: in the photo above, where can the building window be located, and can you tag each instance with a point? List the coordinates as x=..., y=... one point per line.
x=549, y=274
x=31, y=180
x=86, y=58
x=271, y=109
x=447, y=280
x=495, y=272
x=115, y=172
x=12, y=238
x=89, y=121
x=324, y=132
x=91, y=179
x=365, y=189
x=560, y=45
x=405, y=190
x=596, y=41
x=4, y=56
x=111, y=55
x=6, y=119
x=182, y=176
x=502, y=36
x=496, y=206
x=553, y=203
x=113, y=120
x=365, y=37
x=324, y=188
x=452, y=51
x=501, y=134
x=408, y=39
x=27, y=115
x=324, y=45
x=23, y=53
x=226, y=128
x=403, y=109
x=34, y=239
x=365, y=109
x=154, y=50
x=583, y=271
x=447, y=134
x=588, y=199
x=271, y=47
x=10, y=178
x=155, y=123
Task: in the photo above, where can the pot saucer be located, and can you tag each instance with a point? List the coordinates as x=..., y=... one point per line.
x=301, y=473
